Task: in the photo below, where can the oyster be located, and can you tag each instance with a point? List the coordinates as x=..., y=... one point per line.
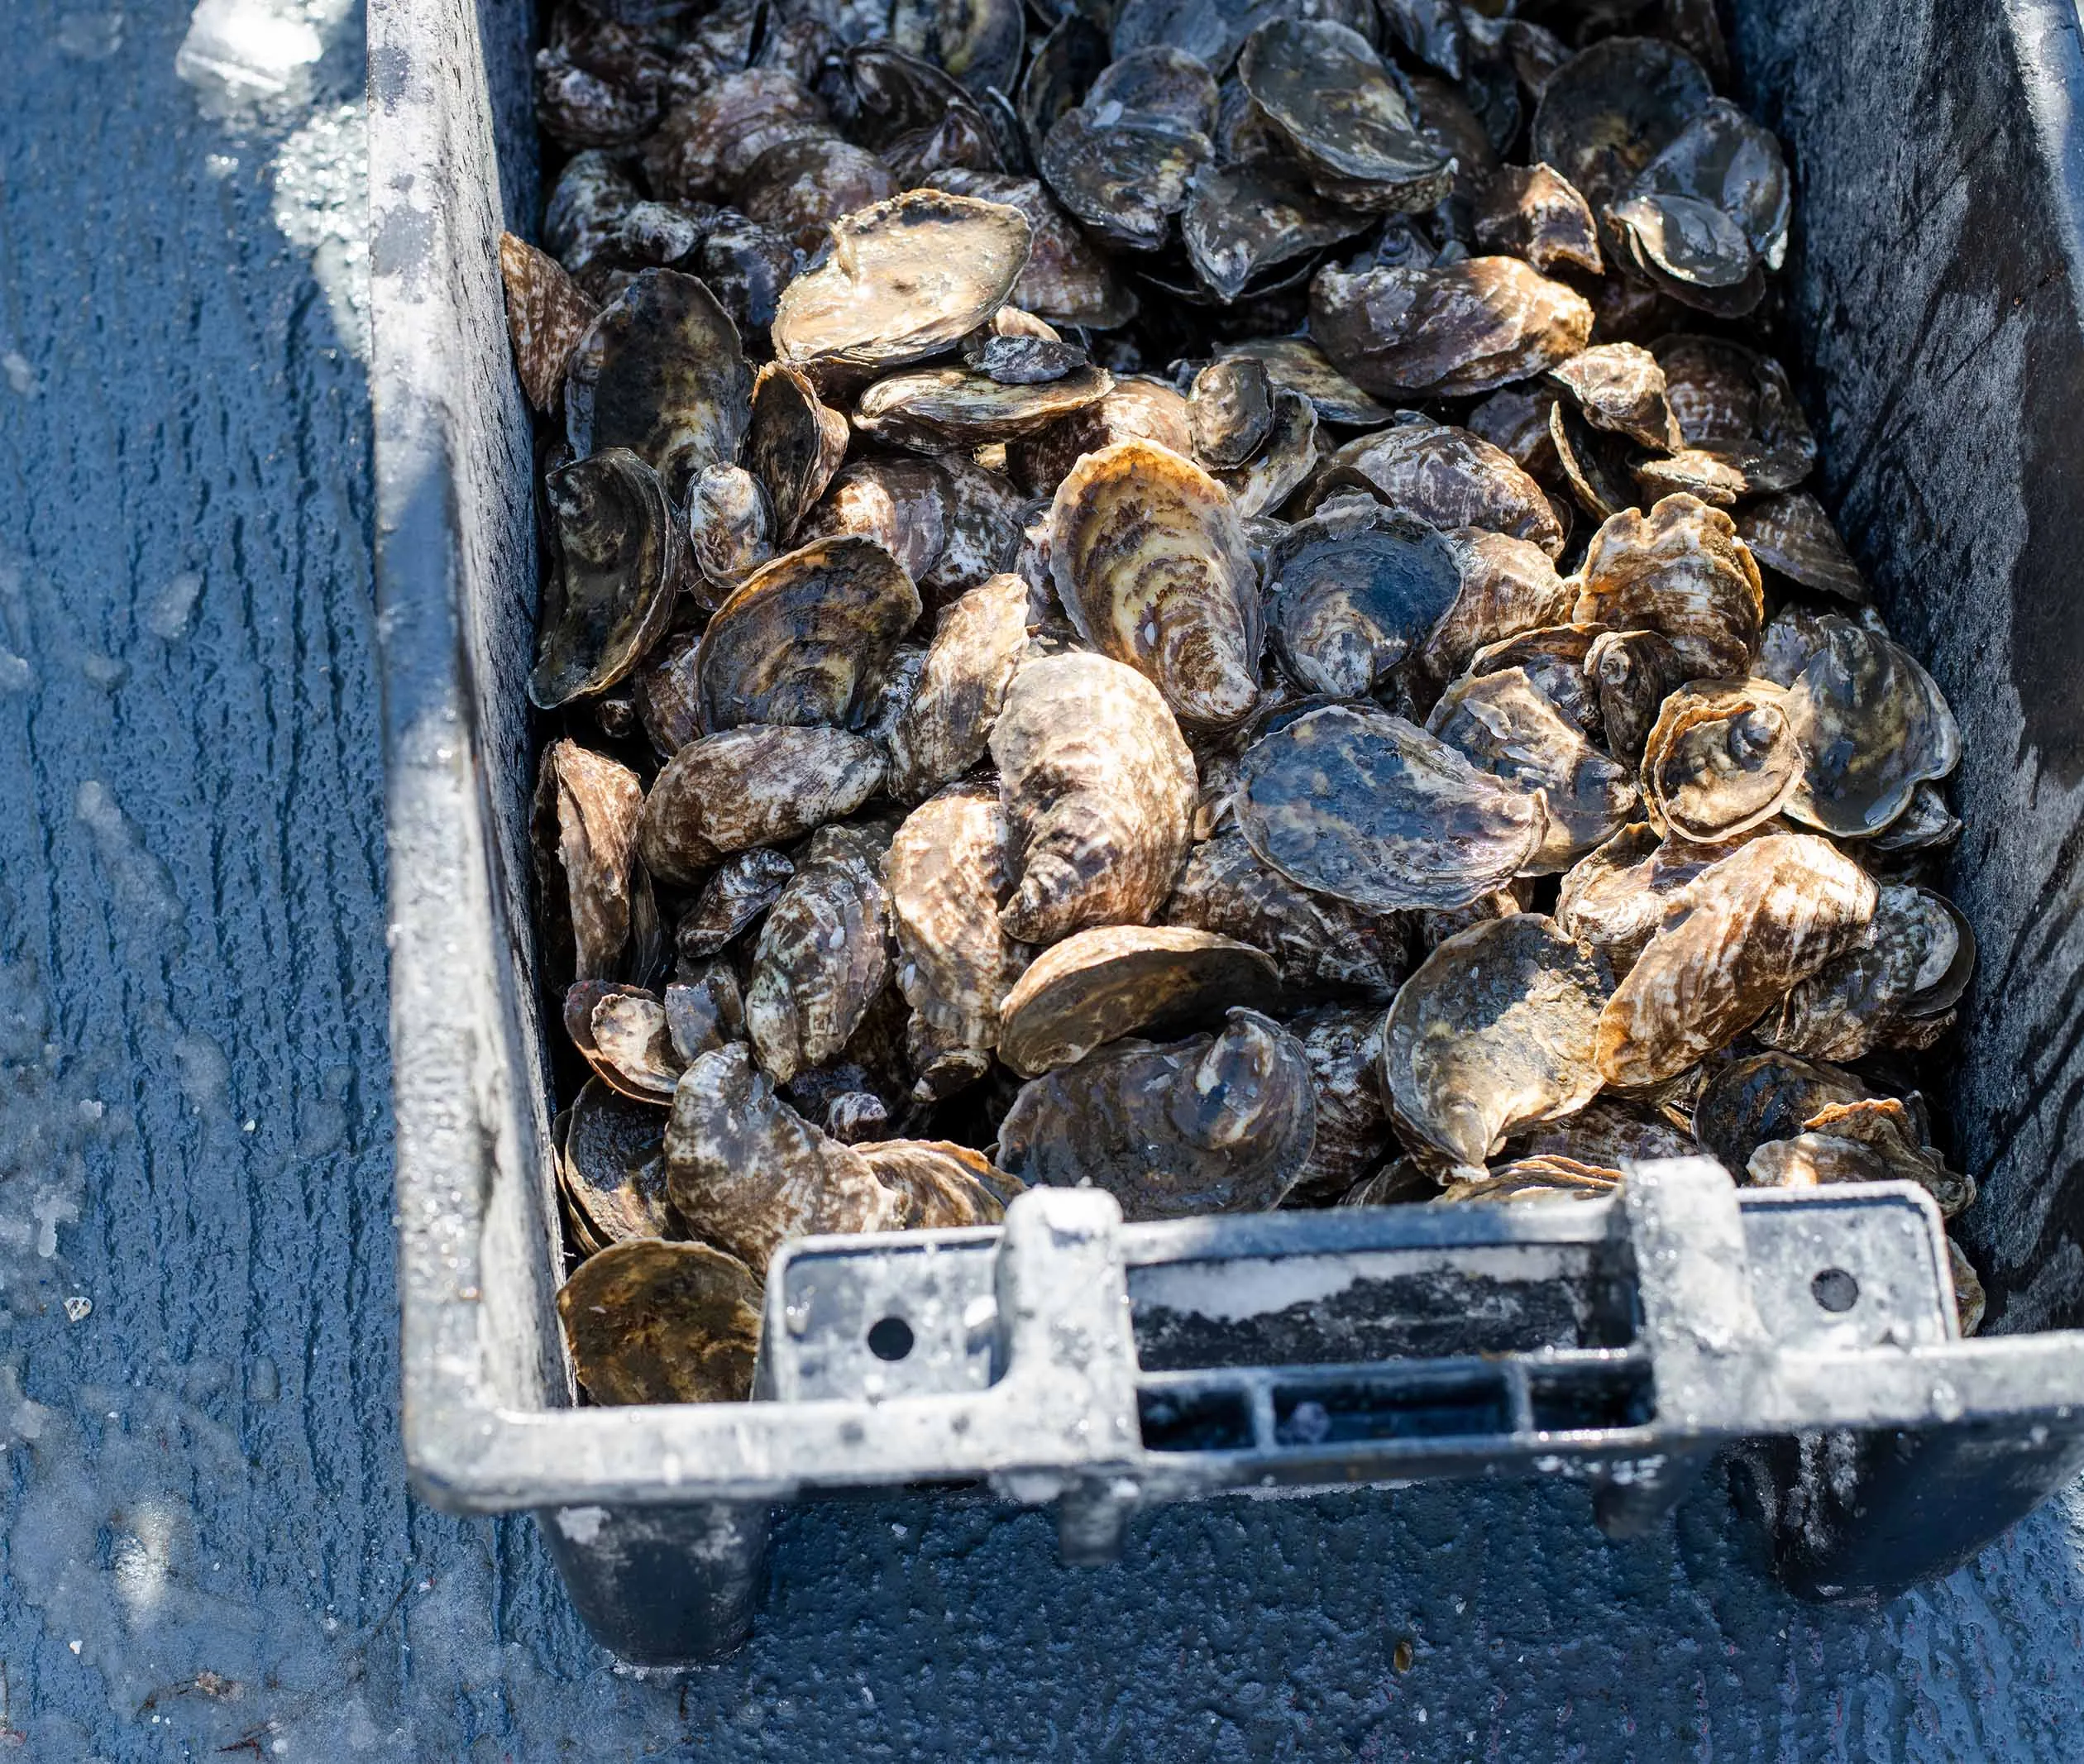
x=1872, y=1140
x=801, y=640
x=1365, y=807
x=1872, y=726
x=823, y=952
x=748, y=1173
x=612, y=1168
x=1970, y=1300
x=707, y=145
x=1351, y=590
x=1505, y=724
x=1554, y=658
x=1343, y=1046
x=1066, y=280
x=1219, y=1123
x=1532, y=212
x=1136, y=410
x=1509, y=585
x=1317, y=943
x=1792, y=533
x=799, y=188
x=1606, y=1133
x=794, y=444
x=1446, y=476
x=1926, y=825
x=1322, y=88
x=548, y=313
x=906, y=279
x=1615, y=897
x=1244, y=222
x=1620, y=387
x=1544, y=1178
x=663, y=693
x=1229, y=412
x=1708, y=217
x=1149, y=562
x=753, y=785
x=979, y=41
x=1608, y=112
x=936, y=408
x=1892, y=989
x=1601, y=467
x=647, y=1321
x=587, y=814
x=1754, y=923
x=1123, y=174
x=1682, y=572
x=945, y=729
x=943, y=1185
x=1288, y=458
x=730, y=529
x=1296, y=365
x=707, y=1010
x=1516, y=420
x=1722, y=759
x=1749, y=1101
x=1738, y=410
x=1494, y=1032
x=627, y=1042
x=1634, y=673
x=901, y=504
x=660, y=372
x=1098, y=788
x=1098, y=985
x=1448, y=331
x=609, y=591
x=949, y=874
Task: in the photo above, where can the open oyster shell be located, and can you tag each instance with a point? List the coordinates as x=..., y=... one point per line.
x=1721, y=760
x=1532, y=212
x=649, y=1322
x=1609, y=110
x=612, y=1167
x=608, y=592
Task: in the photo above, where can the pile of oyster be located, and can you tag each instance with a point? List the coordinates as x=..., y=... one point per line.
x=1214, y=599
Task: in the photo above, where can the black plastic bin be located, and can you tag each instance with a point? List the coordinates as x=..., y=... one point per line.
x=1070, y=1359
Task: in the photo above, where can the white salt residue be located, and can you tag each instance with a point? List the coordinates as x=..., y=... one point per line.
x=173, y=608
x=21, y=376
x=1231, y=1289
x=320, y=204
x=141, y=1559
x=139, y=883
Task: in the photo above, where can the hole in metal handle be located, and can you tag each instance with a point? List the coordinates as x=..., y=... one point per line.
x=1835, y=1289
x=890, y=1339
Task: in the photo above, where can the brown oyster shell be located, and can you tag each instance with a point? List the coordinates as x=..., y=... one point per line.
x=1229, y=412
x=1066, y=280
x=899, y=503
x=660, y=372
x=944, y=1186
x=1545, y=1178
x=730, y=530
x=1111, y=981
x=1448, y=476
x=1615, y=898
x=706, y=145
x=748, y=1173
x=1606, y=1133
x=1326, y=93
x=1969, y=1300
x=801, y=641
x=1609, y=110
x=1509, y=585
x=800, y=187
x=793, y=444
x=1317, y=941
x=1505, y=725
x=1494, y=1032
x=823, y=952
x=1554, y=657
x=1351, y=590
x=1680, y=570
x=1912, y=965
x=609, y=589
x=547, y=314
x=949, y=874
x=706, y=1009
x=906, y=279
x=1343, y=1045
x=1098, y=787
x=1282, y=466
x=1150, y=563
x=753, y=785
x=1737, y=407
x=1298, y=365
x=1516, y=420
x=1137, y=409
x=1213, y=1124
x=628, y=1043
x=1447, y=331
x=936, y=408
x=1790, y=533
x=1754, y=923
x=1621, y=388
x=586, y=811
x=647, y=1321
x=1872, y=1140
x=1365, y=807
x=741, y=889
x=1721, y=760
x=1872, y=726
x=1749, y=1101
x=612, y=1167
x=944, y=730
x=1600, y=467
x=1633, y=673
x=663, y=691
x=1534, y=211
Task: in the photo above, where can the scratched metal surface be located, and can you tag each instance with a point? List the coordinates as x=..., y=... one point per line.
x=207, y=1548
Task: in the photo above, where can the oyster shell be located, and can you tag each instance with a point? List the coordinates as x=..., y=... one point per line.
x=1634, y=673
x=1607, y=1133
x=1296, y=365
x=1218, y=1123
x=823, y=952
x=1517, y=421
x=1601, y=467
x=1323, y=90
x=1229, y=412
x=753, y=785
x=1137, y=409
x=799, y=188
x=1754, y=923
x=609, y=591
x=1682, y=572
x=663, y=693
x=1123, y=174
x=1609, y=110
x=1494, y=1032
x=1066, y=280
x=1287, y=460
x=1505, y=725
x=548, y=313
x=1447, y=476
x=1926, y=825
x=1748, y=1103
x=793, y=444
x=1554, y=657
x=1533, y=212
x=1316, y=942
x=1737, y=408
x=979, y=41
x=1970, y=1300
x=1620, y=387
x=1447, y=331
x=943, y=1185
x=1872, y=726
x=1509, y=585
x=586, y=813
x=899, y=503
x=1149, y=562
x=801, y=640
x=647, y=1321
x=628, y=1043
x=1343, y=1045
x=1549, y=1179
x=1099, y=985
x=737, y=893
x=1243, y=222
x=748, y=1173
x=659, y=371
x=1908, y=970
x=706, y=145
x=906, y=279
x=1365, y=807
x=612, y=1168
x=1615, y=897
x=936, y=408
x=1707, y=216
x=1351, y=590
x=1721, y=760
x=1098, y=788
x=944, y=731
x=730, y=529
x=1868, y=1141
x=1792, y=534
